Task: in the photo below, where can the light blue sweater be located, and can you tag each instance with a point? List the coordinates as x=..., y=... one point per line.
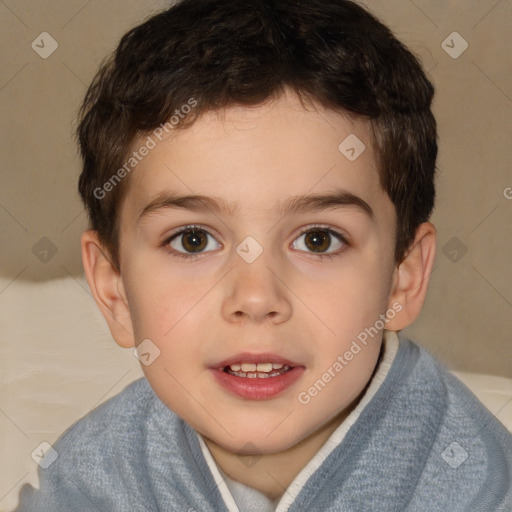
x=423, y=443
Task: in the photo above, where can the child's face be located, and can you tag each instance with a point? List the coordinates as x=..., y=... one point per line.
x=221, y=307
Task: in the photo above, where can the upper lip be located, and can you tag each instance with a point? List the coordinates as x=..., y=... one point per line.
x=247, y=357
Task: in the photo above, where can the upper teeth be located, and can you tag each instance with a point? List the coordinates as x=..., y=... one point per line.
x=253, y=367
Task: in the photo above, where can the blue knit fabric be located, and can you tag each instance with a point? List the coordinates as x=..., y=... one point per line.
x=423, y=443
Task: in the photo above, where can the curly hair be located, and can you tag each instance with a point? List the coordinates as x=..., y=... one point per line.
x=227, y=52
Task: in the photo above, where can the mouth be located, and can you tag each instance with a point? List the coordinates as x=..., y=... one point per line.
x=257, y=371
x=256, y=376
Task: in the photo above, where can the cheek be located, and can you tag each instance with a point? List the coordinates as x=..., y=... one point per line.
x=160, y=297
x=174, y=321
x=348, y=297
x=151, y=312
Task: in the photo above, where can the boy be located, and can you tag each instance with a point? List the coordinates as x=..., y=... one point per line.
x=259, y=178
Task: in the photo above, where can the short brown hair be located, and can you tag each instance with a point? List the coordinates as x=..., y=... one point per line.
x=227, y=52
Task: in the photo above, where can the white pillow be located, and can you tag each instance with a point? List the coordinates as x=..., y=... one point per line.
x=57, y=362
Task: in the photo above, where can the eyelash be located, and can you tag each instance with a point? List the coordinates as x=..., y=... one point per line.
x=191, y=257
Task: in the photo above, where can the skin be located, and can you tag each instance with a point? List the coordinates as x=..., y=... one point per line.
x=289, y=301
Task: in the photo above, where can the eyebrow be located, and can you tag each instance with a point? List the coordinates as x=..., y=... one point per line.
x=292, y=205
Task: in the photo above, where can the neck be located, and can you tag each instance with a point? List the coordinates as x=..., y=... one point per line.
x=272, y=473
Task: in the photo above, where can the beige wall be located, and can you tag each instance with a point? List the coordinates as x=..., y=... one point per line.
x=467, y=318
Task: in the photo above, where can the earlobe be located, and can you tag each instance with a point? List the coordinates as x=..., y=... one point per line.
x=107, y=288
x=412, y=276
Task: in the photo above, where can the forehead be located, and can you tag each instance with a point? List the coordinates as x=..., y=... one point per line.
x=253, y=158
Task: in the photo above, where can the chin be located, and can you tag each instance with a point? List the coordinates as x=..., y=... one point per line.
x=258, y=439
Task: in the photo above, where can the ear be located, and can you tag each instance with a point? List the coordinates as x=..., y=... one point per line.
x=107, y=288
x=411, y=277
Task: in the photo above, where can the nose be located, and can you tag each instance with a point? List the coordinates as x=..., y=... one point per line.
x=256, y=293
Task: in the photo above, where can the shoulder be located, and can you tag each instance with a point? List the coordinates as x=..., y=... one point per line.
x=463, y=410
x=113, y=419
x=472, y=452
x=123, y=427
x=105, y=450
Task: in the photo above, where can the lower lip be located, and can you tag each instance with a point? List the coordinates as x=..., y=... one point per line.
x=257, y=389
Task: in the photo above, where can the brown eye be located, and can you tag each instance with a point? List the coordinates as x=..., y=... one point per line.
x=191, y=240
x=194, y=241
x=319, y=240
